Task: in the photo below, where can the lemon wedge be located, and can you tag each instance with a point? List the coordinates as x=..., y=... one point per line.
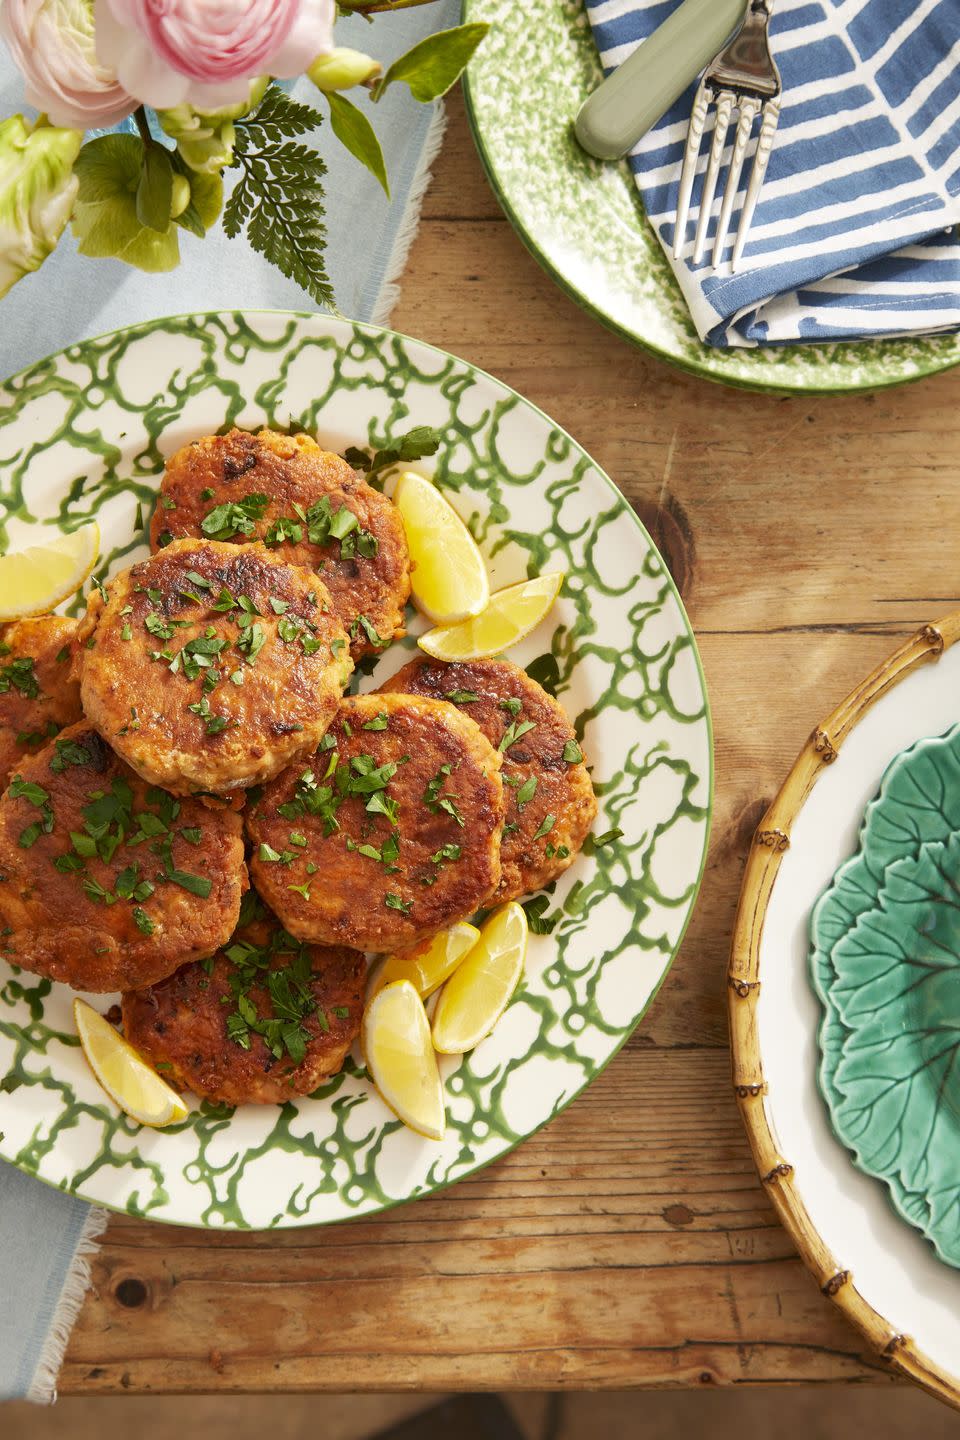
x=511, y=614
x=448, y=576
x=126, y=1077
x=429, y=965
x=401, y=1060
x=480, y=989
x=35, y=580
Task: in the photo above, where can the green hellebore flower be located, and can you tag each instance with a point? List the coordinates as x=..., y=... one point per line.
x=205, y=137
x=37, y=191
x=341, y=69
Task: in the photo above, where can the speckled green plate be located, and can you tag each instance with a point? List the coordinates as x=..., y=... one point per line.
x=584, y=222
x=886, y=966
x=85, y=433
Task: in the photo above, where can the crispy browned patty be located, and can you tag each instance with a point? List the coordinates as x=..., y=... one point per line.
x=105, y=882
x=550, y=804
x=301, y=489
x=38, y=694
x=211, y=667
x=390, y=834
x=301, y=1009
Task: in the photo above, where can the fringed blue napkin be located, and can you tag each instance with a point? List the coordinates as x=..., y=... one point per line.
x=854, y=236
x=46, y=1238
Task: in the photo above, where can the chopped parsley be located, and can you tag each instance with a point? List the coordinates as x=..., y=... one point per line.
x=285, y=1003
x=513, y=706
x=362, y=623
x=435, y=800
x=69, y=752
x=572, y=753
x=462, y=697
x=225, y=521
x=214, y=724
x=514, y=732
x=394, y=902
x=538, y=922
x=18, y=675
x=545, y=826
x=379, y=722
x=526, y=792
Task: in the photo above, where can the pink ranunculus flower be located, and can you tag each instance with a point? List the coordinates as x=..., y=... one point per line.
x=52, y=42
x=205, y=52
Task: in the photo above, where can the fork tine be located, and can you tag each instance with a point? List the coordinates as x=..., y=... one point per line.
x=749, y=109
x=770, y=112
x=725, y=103
x=698, y=119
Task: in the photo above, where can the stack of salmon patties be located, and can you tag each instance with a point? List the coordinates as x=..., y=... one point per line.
x=192, y=734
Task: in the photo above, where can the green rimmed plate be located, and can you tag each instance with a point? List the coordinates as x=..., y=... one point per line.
x=886, y=966
x=85, y=433
x=583, y=220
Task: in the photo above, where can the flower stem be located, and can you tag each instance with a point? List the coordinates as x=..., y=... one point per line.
x=372, y=7
x=140, y=115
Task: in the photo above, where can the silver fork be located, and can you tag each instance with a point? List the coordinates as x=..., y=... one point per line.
x=743, y=77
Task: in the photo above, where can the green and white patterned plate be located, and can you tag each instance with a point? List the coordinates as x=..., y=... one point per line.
x=583, y=220
x=85, y=433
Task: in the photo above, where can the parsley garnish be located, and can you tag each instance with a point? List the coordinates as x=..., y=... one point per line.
x=538, y=922
x=572, y=753
x=69, y=752
x=394, y=902
x=435, y=800
x=225, y=521
x=513, y=733
x=379, y=722
x=545, y=826
x=513, y=706
x=420, y=441
x=526, y=792
x=18, y=675
x=461, y=697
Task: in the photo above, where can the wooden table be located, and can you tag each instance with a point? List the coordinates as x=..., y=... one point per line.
x=630, y=1243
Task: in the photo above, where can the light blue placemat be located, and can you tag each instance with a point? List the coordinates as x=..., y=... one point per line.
x=46, y=1237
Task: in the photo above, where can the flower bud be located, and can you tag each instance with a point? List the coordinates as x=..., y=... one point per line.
x=180, y=197
x=342, y=68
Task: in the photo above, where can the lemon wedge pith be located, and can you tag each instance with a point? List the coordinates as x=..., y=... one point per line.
x=429, y=965
x=123, y=1074
x=448, y=576
x=481, y=987
x=401, y=1059
x=35, y=580
x=510, y=616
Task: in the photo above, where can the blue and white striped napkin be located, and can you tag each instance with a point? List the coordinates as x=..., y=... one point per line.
x=853, y=234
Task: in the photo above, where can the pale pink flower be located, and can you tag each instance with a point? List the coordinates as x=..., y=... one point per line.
x=205, y=52
x=52, y=42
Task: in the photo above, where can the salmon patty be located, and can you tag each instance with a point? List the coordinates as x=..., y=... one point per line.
x=107, y=883
x=212, y=667
x=550, y=804
x=38, y=692
x=263, y=1020
x=391, y=832
x=309, y=507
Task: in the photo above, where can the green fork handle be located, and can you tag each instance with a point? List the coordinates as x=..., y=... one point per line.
x=633, y=98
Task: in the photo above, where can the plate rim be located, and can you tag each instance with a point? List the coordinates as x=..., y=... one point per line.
x=337, y=323
x=744, y=980
x=679, y=362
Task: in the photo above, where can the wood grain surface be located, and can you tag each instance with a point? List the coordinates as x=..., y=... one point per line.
x=629, y=1243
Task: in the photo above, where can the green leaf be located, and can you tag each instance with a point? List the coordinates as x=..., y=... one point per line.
x=433, y=65
x=546, y=672
x=155, y=190
x=356, y=134
x=279, y=197
x=105, y=219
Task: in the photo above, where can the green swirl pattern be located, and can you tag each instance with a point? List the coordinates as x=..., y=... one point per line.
x=584, y=221
x=84, y=434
